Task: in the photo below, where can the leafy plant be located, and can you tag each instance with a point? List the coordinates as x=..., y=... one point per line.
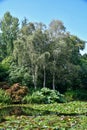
x=4, y=97
x=36, y=97
x=17, y=92
x=45, y=95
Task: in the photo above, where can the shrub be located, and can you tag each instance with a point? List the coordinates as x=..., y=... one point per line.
x=4, y=97
x=3, y=73
x=69, y=95
x=52, y=96
x=76, y=95
x=17, y=92
x=36, y=97
x=80, y=95
x=4, y=85
x=44, y=95
x=46, y=91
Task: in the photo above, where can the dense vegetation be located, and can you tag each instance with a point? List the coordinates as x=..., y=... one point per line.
x=37, y=55
x=42, y=69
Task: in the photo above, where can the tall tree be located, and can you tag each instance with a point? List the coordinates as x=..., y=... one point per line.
x=9, y=30
x=56, y=28
x=43, y=62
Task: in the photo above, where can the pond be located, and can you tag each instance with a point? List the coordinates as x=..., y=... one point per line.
x=28, y=118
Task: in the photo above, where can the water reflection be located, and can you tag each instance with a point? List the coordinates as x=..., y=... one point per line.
x=28, y=111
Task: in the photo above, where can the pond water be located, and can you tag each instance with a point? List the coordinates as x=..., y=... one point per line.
x=15, y=117
x=28, y=111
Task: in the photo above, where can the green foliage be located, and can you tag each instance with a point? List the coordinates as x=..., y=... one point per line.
x=80, y=94
x=36, y=97
x=6, y=62
x=4, y=68
x=44, y=95
x=15, y=74
x=9, y=28
x=41, y=56
x=46, y=91
x=52, y=95
x=4, y=97
x=3, y=73
x=69, y=95
x=19, y=75
x=83, y=62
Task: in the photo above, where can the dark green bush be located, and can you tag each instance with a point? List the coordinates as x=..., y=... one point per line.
x=80, y=95
x=76, y=95
x=3, y=73
x=69, y=95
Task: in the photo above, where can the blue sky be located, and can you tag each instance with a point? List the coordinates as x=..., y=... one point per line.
x=73, y=13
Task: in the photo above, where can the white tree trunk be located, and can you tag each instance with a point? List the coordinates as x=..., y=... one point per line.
x=44, y=82
x=34, y=81
x=34, y=75
x=53, y=81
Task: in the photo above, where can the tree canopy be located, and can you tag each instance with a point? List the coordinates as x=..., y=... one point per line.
x=40, y=55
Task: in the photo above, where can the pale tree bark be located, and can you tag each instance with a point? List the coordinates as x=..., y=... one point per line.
x=34, y=76
x=35, y=84
x=53, y=80
x=44, y=82
x=54, y=69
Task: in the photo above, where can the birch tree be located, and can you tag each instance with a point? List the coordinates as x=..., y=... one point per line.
x=43, y=61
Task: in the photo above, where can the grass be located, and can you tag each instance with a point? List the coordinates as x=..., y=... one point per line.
x=66, y=116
